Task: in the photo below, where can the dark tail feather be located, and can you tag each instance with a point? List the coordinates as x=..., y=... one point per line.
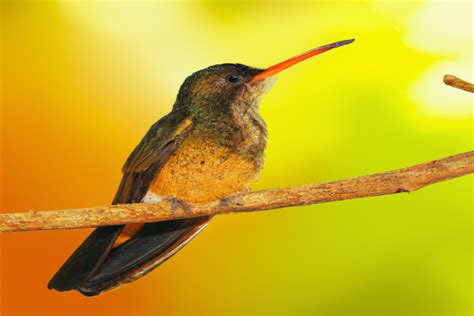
x=85, y=261
x=150, y=247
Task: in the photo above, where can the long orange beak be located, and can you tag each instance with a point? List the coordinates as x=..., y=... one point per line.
x=273, y=70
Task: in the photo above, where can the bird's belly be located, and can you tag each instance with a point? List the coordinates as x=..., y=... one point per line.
x=200, y=172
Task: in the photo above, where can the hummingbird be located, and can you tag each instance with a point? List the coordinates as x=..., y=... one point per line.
x=210, y=146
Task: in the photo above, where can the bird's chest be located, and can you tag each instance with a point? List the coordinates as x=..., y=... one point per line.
x=201, y=171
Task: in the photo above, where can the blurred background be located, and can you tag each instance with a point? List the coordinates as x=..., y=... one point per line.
x=83, y=81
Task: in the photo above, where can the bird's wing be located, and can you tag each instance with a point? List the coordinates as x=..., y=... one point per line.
x=145, y=161
x=149, y=156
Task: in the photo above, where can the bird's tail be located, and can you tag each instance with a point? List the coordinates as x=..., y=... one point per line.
x=96, y=266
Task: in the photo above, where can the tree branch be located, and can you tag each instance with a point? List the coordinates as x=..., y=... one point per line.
x=403, y=180
x=458, y=83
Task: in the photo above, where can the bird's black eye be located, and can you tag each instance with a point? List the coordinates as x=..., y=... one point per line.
x=233, y=78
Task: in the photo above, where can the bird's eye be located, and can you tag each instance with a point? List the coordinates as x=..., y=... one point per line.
x=233, y=78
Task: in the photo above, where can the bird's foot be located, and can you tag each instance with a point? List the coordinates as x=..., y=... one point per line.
x=176, y=203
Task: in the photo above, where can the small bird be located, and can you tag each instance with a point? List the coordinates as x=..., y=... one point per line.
x=210, y=146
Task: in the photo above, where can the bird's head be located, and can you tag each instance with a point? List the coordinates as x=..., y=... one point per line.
x=233, y=89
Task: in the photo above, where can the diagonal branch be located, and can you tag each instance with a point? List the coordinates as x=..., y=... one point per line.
x=458, y=83
x=403, y=180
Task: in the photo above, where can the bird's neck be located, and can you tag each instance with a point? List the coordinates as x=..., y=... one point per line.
x=244, y=133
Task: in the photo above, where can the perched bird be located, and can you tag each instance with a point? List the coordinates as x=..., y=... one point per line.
x=210, y=146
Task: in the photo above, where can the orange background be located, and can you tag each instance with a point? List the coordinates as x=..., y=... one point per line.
x=83, y=81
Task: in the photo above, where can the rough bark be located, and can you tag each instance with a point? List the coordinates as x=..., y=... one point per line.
x=458, y=83
x=391, y=182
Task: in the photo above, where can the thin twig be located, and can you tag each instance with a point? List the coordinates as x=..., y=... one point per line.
x=403, y=180
x=458, y=83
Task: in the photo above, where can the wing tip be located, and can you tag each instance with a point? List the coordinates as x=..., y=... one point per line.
x=60, y=284
x=85, y=261
x=55, y=284
x=52, y=286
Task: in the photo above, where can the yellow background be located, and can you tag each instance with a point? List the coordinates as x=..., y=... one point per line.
x=82, y=82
